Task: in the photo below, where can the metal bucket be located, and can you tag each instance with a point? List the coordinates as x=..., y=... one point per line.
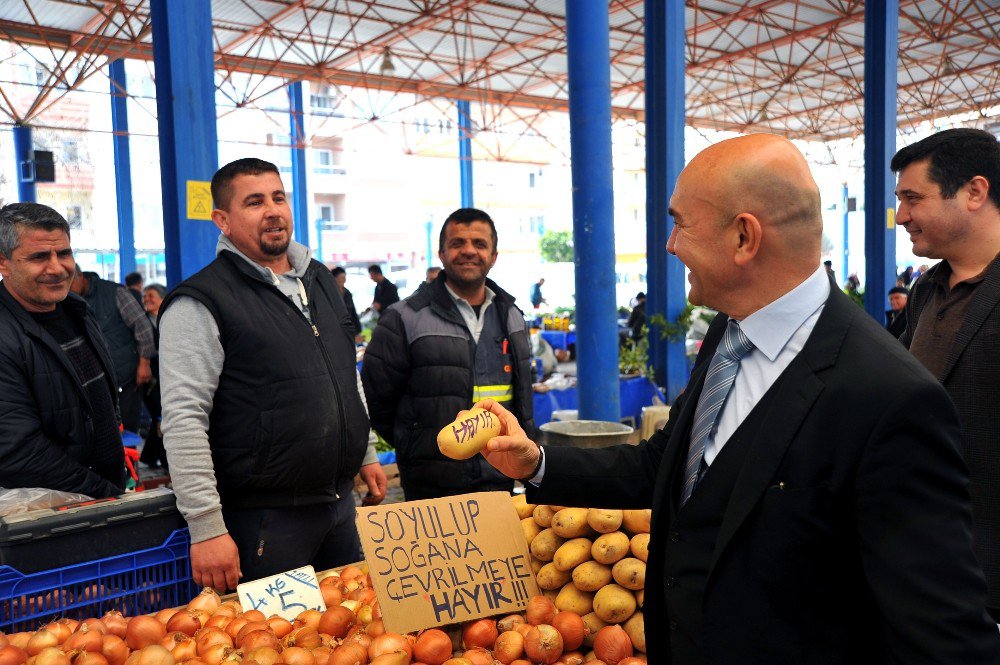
x=584, y=433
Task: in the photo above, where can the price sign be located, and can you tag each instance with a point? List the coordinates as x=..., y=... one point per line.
x=285, y=594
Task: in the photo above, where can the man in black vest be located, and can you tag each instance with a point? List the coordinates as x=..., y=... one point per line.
x=455, y=341
x=263, y=414
x=58, y=398
x=129, y=336
x=809, y=500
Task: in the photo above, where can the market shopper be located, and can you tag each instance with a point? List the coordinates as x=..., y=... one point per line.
x=153, y=453
x=340, y=275
x=895, y=316
x=129, y=336
x=263, y=414
x=386, y=293
x=58, y=398
x=456, y=340
x=949, y=203
x=808, y=497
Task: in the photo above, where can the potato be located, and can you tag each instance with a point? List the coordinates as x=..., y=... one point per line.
x=543, y=516
x=571, y=599
x=531, y=529
x=536, y=564
x=592, y=623
x=639, y=546
x=545, y=544
x=630, y=573
x=521, y=505
x=604, y=521
x=571, y=522
x=637, y=521
x=468, y=434
x=591, y=576
x=640, y=597
x=572, y=553
x=551, y=594
x=551, y=577
x=635, y=628
x=614, y=604
x=610, y=547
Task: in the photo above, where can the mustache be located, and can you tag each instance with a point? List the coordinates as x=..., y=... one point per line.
x=52, y=279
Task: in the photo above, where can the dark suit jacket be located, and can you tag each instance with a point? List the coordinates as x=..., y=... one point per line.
x=895, y=325
x=972, y=378
x=863, y=554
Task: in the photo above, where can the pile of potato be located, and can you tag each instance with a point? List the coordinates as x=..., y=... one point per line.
x=590, y=561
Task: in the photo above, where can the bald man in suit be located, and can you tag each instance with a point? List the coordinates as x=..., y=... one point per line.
x=809, y=500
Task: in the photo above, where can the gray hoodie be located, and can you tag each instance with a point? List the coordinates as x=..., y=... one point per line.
x=191, y=359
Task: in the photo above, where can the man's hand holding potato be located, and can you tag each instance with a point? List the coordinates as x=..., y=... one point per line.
x=512, y=453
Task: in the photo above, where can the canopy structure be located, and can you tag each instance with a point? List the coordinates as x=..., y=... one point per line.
x=792, y=67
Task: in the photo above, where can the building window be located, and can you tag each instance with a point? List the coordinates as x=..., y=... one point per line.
x=326, y=213
x=324, y=157
x=531, y=180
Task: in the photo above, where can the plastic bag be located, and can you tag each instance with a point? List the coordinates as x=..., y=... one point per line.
x=25, y=499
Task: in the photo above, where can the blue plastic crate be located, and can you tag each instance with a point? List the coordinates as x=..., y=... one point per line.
x=137, y=583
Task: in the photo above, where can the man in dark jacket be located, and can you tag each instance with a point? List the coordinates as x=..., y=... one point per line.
x=949, y=203
x=340, y=275
x=129, y=336
x=58, y=408
x=453, y=342
x=263, y=415
x=895, y=318
x=386, y=293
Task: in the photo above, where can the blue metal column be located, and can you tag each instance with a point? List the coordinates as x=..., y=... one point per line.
x=881, y=43
x=465, y=152
x=847, y=247
x=588, y=51
x=123, y=168
x=189, y=154
x=665, y=106
x=22, y=159
x=300, y=198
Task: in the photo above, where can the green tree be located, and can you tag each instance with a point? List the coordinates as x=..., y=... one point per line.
x=557, y=246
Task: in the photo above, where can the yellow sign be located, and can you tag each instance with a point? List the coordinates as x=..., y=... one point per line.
x=890, y=218
x=199, y=199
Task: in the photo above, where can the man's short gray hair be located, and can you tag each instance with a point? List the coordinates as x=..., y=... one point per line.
x=17, y=216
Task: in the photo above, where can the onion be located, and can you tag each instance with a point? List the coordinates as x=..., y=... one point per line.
x=543, y=644
x=93, y=624
x=297, y=656
x=389, y=643
x=51, y=656
x=331, y=594
x=348, y=653
x=611, y=644
x=478, y=656
x=632, y=660
x=163, y=616
x=41, y=640
x=279, y=626
x=89, y=658
x=144, y=631
x=62, y=628
x=304, y=637
x=248, y=628
x=508, y=622
x=349, y=573
x=509, y=647
x=394, y=658
x=480, y=633
x=432, y=647
x=184, y=621
x=358, y=636
x=3, y=640
x=336, y=621
x=234, y=627
x=114, y=649
x=460, y=661
x=258, y=638
x=322, y=655
x=218, y=621
x=208, y=601
x=12, y=655
x=208, y=637
x=375, y=628
x=184, y=648
x=19, y=640
x=83, y=639
x=354, y=606
x=154, y=655
x=364, y=595
x=214, y=654
x=570, y=626
x=308, y=618
x=572, y=658
x=540, y=609
x=263, y=656
x=115, y=622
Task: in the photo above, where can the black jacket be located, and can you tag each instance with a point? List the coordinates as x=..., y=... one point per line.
x=418, y=374
x=46, y=426
x=847, y=536
x=287, y=425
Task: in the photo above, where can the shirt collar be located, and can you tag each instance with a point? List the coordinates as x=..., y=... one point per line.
x=457, y=298
x=770, y=327
x=299, y=257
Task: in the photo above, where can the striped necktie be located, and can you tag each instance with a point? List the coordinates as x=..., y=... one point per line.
x=721, y=374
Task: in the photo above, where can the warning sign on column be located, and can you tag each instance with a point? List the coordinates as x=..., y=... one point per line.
x=199, y=199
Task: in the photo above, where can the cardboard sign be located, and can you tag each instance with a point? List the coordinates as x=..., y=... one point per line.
x=447, y=560
x=285, y=594
x=199, y=199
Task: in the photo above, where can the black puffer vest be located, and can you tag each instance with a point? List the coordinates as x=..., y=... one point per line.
x=102, y=297
x=287, y=425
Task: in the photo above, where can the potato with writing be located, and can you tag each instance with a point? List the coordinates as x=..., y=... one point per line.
x=468, y=434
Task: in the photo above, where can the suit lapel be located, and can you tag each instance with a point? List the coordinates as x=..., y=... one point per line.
x=984, y=300
x=788, y=403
